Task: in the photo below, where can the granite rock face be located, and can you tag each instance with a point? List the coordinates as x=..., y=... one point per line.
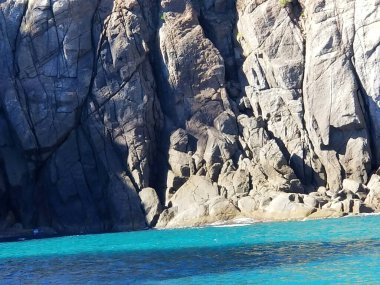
x=112, y=111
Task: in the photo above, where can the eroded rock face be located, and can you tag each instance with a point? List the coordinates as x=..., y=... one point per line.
x=112, y=110
x=340, y=133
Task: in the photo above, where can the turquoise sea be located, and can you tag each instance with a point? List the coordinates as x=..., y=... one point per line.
x=334, y=251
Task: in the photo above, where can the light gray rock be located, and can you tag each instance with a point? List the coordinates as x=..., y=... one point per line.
x=283, y=111
x=310, y=201
x=197, y=190
x=325, y=213
x=234, y=181
x=354, y=186
x=337, y=206
x=322, y=190
x=366, y=53
x=190, y=217
x=263, y=52
x=203, y=128
x=222, y=209
x=287, y=207
x=359, y=207
x=247, y=205
x=197, y=202
x=373, y=198
x=151, y=204
x=166, y=216
x=274, y=74
x=330, y=84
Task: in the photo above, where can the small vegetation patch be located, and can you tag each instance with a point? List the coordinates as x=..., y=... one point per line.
x=284, y=3
x=163, y=17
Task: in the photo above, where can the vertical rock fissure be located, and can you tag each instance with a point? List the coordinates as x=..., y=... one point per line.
x=363, y=99
x=364, y=106
x=304, y=127
x=158, y=174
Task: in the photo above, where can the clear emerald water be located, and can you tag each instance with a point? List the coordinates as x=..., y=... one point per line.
x=334, y=251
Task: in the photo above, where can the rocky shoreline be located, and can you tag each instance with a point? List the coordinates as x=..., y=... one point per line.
x=198, y=204
x=28, y=234
x=205, y=206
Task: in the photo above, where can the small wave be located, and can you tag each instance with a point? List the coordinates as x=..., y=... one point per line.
x=234, y=223
x=362, y=215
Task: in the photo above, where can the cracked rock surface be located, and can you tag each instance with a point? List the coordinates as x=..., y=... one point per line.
x=122, y=114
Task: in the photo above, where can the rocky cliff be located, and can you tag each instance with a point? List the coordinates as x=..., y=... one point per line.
x=118, y=114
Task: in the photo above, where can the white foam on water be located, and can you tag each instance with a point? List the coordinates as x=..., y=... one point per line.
x=241, y=222
x=362, y=215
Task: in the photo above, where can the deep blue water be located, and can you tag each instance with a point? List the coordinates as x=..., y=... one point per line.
x=335, y=251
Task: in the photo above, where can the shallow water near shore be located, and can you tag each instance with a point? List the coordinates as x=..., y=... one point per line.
x=334, y=251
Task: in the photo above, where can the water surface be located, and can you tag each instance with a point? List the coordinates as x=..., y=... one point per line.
x=335, y=251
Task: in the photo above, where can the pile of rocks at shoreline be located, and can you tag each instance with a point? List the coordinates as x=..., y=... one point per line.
x=198, y=203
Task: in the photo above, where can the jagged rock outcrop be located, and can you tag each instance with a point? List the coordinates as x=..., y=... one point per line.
x=112, y=112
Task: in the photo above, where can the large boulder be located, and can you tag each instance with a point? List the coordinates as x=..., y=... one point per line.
x=151, y=204
x=197, y=202
x=287, y=206
x=354, y=186
x=222, y=209
x=247, y=205
x=373, y=197
x=189, y=205
x=197, y=190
